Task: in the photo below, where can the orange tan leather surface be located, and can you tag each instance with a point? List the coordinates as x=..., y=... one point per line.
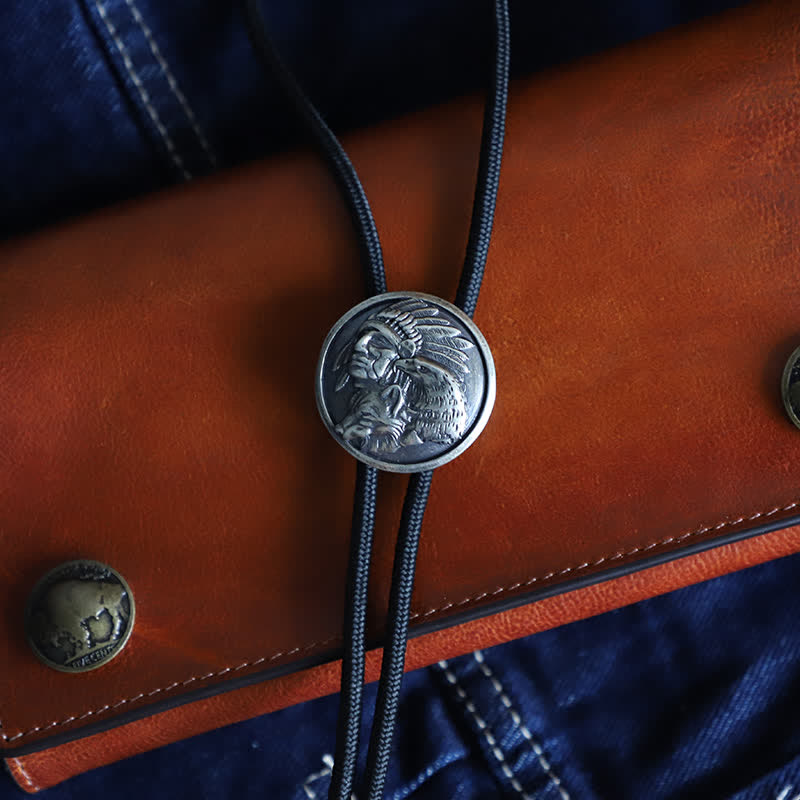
x=156, y=366
x=49, y=767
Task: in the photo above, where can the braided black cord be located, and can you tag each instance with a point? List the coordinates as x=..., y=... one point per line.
x=354, y=634
x=419, y=486
x=328, y=145
x=494, y=125
x=354, y=642
x=394, y=649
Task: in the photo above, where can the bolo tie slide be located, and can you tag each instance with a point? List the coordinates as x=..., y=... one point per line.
x=405, y=383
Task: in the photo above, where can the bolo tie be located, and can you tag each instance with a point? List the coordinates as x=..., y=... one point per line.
x=405, y=383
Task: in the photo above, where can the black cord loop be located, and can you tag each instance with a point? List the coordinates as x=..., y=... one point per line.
x=354, y=634
x=328, y=146
x=494, y=126
x=394, y=648
x=371, y=254
x=480, y=233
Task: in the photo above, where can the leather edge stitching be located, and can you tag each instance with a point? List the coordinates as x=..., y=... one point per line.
x=612, y=557
x=416, y=615
x=174, y=685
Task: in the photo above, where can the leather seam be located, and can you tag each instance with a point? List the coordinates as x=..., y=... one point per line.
x=605, y=559
x=473, y=599
x=23, y=774
x=163, y=689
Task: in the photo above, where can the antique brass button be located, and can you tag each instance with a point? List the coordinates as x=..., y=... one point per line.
x=790, y=387
x=405, y=381
x=79, y=616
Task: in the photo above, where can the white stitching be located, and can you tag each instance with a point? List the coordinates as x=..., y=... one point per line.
x=784, y=795
x=439, y=764
x=431, y=611
x=327, y=760
x=523, y=729
x=604, y=559
x=118, y=704
x=151, y=110
x=172, y=81
x=484, y=729
x=25, y=776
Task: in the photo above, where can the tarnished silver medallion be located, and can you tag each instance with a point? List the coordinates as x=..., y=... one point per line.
x=790, y=387
x=79, y=616
x=405, y=381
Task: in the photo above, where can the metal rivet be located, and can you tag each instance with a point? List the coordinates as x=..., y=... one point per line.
x=405, y=381
x=79, y=616
x=790, y=387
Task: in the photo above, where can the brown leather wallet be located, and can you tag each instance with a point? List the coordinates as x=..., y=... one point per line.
x=641, y=299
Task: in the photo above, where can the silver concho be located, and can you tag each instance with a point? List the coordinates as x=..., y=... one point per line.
x=79, y=616
x=405, y=381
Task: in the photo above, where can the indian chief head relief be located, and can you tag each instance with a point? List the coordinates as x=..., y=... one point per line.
x=406, y=367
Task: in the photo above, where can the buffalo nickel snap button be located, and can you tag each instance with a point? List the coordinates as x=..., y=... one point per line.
x=790, y=387
x=405, y=381
x=79, y=616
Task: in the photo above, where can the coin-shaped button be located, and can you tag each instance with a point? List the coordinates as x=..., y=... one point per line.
x=790, y=387
x=405, y=381
x=79, y=616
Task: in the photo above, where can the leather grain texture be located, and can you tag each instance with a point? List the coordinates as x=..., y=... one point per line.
x=156, y=373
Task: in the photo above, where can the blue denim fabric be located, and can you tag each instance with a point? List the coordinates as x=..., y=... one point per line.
x=692, y=695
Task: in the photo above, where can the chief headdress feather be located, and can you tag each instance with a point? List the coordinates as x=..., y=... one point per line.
x=421, y=331
x=425, y=332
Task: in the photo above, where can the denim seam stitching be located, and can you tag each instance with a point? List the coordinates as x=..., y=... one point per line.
x=172, y=81
x=426, y=774
x=537, y=748
x=399, y=794
x=327, y=760
x=483, y=726
x=141, y=89
x=604, y=559
x=586, y=565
